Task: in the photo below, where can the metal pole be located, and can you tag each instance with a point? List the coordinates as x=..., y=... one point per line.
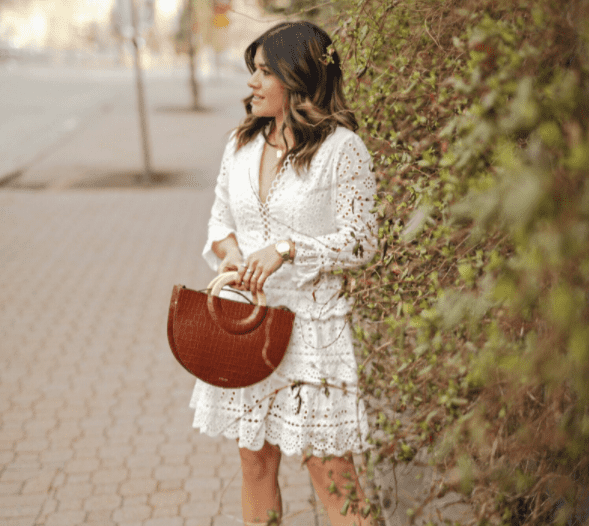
x=141, y=97
x=191, y=55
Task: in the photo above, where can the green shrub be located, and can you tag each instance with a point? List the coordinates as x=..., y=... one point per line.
x=474, y=314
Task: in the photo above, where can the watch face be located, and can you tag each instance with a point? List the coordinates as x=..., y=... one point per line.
x=283, y=246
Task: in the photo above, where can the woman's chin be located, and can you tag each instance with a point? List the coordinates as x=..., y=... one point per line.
x=257, y=112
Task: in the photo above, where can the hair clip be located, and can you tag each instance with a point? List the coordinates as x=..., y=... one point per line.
x=328, y=56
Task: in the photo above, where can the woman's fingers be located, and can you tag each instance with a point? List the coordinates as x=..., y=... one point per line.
x=233, y=263
x=258, y=266
x=254, y=277
x=238, y=284
x=245, y=274
x=262, y=280
x=256, y=283
x=240, y=273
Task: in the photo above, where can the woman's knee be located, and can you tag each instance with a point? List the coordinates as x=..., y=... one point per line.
x=259, y=465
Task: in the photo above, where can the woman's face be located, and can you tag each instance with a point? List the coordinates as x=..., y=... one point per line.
x=267, y=89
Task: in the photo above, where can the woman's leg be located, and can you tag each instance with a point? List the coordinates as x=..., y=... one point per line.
x=259, y=491
x=341, y=472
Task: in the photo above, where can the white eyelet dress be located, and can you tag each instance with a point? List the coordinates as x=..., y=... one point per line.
x=326, y=211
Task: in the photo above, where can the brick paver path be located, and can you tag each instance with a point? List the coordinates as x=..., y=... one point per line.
x=94, y=421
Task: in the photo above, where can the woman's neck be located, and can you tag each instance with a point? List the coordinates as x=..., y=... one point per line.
x=278, y=122
x=276, y=137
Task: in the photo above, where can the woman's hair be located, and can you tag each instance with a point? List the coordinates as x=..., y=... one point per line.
x=299, y=54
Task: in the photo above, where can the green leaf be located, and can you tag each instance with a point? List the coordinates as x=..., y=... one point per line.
x=578, y=158
x=561, y=305
x=345, y=507
x=578, y=345
x=523, y=197
x=466, y=272
x=466, y=469
x=550, y=134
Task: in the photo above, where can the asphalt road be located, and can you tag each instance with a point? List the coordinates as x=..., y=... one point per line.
x=39, y=106
x=63, y=128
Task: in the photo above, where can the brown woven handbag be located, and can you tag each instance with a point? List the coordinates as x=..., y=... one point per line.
x=224, y=342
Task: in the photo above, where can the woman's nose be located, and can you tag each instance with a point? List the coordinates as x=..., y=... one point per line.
x=253, y=81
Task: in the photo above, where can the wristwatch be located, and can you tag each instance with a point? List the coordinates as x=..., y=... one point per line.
x=283, y=249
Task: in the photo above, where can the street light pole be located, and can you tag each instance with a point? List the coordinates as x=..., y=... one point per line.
x=140, y=96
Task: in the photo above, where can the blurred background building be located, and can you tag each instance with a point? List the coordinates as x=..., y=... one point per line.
x=98, y=33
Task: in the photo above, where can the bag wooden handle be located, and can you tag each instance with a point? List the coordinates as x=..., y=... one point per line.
x=226, y=278
x=232, y=325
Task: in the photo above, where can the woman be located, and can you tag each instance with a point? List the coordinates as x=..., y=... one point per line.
x=292, y=204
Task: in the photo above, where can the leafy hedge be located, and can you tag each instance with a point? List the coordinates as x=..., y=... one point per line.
x=475, y=311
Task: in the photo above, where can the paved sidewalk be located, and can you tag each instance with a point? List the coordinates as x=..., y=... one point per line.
x=95, y=427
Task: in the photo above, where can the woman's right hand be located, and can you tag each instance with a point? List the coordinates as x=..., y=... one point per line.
x=232, y=261
x=227, y=250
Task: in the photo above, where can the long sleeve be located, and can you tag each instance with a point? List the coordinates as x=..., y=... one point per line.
x=353, y=190
x=221, y=222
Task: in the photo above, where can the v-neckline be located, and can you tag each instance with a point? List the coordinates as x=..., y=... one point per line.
x=273, y=184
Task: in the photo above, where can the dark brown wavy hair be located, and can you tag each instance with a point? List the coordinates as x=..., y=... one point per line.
x=301, y=55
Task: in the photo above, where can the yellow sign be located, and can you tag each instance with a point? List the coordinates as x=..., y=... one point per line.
x=220, y=21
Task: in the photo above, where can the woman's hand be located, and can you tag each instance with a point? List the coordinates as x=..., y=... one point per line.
x=257, y=268
x=232, y=261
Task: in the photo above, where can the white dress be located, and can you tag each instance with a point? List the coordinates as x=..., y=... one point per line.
x=326, y=211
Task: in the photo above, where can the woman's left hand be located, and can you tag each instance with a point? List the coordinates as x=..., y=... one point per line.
x=260, y=265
